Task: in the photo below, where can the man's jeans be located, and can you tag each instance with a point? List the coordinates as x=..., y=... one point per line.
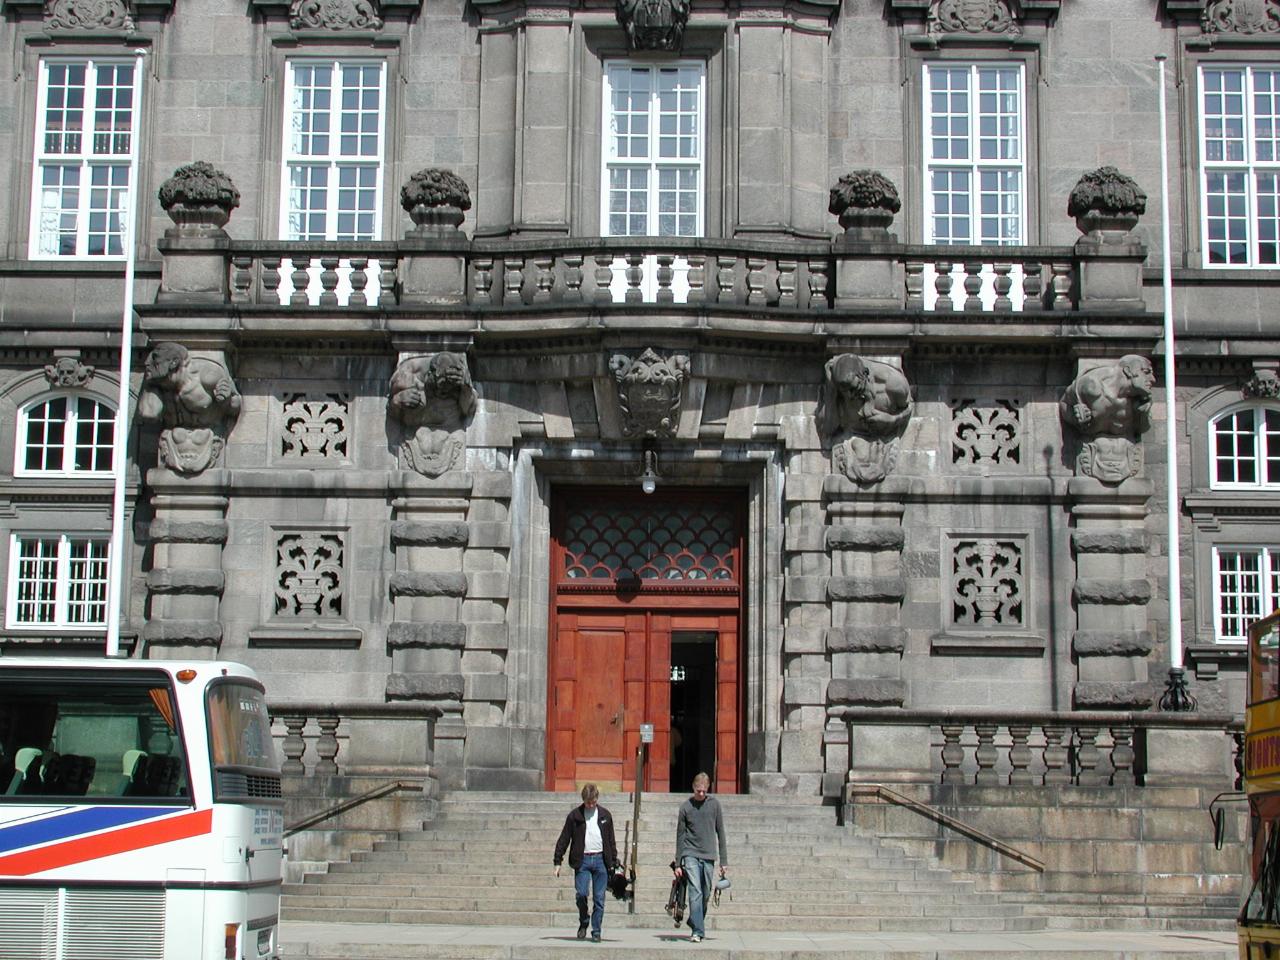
x=593, y=870
x=697, y=877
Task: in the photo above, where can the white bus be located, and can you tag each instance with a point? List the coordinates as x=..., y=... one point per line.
x=140, y=812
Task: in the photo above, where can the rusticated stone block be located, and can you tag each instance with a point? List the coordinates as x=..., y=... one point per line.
x=866, y=639
x=1112, y=591
x=442, y=533
x=432, y=635
x=1112, y=541
x=190, y=531
x=1112, y=695
x=1112, y=643
x=853, y=589
x=882, y=692
x=424, y=686
x=847, y=537
x=185, y=581
x=405, y=583
x=202, y=633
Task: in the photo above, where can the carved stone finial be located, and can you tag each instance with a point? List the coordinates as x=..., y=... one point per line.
x=432, y=396
x=1106, y=203
x=649, y=387
x=865, y=408
x=1241, y=16
x=865, y=201
x=1110, y=407
x=435, y=199
x=196, y=401
x=653, y=24
x=87, y=15
x=973, y=16
x=68, y=372
x=199, y=199
x=335, y=15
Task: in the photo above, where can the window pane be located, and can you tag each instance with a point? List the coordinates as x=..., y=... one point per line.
x=46, y=435
x=86, y=587
x=95, y=423
x=1239, y=585
x=1235, y=450
x=37, y=581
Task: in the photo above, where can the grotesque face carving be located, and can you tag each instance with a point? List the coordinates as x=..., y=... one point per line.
x=448, y=374
x=851, y=377
x=165, y=359
x=1142, y=378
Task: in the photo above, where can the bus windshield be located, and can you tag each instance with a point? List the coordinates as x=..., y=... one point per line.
x=239, y=727
x=99, y=738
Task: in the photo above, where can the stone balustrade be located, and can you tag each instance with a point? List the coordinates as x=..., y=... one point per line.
x=1081, y=748
x=624, y=271
x=354, y=739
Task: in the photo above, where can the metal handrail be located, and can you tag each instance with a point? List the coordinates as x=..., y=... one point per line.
x=394, y=786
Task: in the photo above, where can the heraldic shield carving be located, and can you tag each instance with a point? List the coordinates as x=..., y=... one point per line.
x=653, y=24
x=649, y=387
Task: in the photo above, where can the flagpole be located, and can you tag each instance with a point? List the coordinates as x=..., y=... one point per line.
x=1171, y=501
x=120, y=440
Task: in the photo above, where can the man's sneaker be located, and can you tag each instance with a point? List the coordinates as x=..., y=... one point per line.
x=582, y=930
x=595, y=938
x=695, y=939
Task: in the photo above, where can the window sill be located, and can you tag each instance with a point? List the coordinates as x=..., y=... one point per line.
x=1207, y=658
x=76, y=266
x=987, y=645
x=307, y=633
x=63, y=638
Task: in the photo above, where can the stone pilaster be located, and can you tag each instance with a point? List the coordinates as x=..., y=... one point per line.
x=1112, y=590
x=428, y=634
x=185, y=582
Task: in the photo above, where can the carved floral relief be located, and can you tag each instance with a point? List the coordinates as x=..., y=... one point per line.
x=335, y=15
x=1241, y=16
x=972, y=16
x=432, y=396
x=87, y=15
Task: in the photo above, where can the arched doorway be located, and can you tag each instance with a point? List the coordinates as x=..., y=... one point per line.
x=646, y=627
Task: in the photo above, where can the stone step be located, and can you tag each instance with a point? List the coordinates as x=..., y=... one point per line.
x=389, y=872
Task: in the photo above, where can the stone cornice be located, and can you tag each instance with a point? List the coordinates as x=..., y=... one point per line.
x=945, y=20
x=135, y=6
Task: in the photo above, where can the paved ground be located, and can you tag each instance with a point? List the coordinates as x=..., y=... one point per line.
x=337, y=941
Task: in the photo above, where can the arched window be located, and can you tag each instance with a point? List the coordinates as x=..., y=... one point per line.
x=65, y=434
x=1244, y=447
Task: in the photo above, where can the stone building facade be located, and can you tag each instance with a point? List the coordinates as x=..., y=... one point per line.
x=438, y=285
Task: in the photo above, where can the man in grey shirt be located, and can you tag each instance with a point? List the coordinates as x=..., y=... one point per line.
x=699, y=835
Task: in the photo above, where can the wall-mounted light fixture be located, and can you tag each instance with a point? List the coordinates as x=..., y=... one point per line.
x=649, y=467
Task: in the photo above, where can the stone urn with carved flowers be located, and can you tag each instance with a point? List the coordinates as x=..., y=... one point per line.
x=199, y=199
x=1106, y=205
x=865, y=201
x=436, y=201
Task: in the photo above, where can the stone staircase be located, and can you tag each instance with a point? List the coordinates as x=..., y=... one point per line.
x=486, y=860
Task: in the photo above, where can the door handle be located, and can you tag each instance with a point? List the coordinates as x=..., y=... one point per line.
x=617, y=717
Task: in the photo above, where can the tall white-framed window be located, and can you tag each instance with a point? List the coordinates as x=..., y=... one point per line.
x=334, y=144
x=57, y=580
x=655, y=149
x=1244, y=449
x=85, y=138
x=1246, y=587
x=975, y=153
x=65, y=435
x=1240, y=165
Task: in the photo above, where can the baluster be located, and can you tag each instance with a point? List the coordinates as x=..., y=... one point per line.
x=482, y=281
x=241, y=277
x=1020, y=754
x=986, y=755
x=697, y=277
x=1032, y=289
x=271, y=281
x=327, y=747
x=952, y=753
x=635, y=277
x=787, y=283
x=1122, y=756
x=359, y=280
x=387, y=267
x=818, y=299
x=726, y=278
x=604, y=277
x=1055, y=755
x=665, y=277
x=973, y=284
x=573, y=277
x=294, y=747
x=915, y=284
x=329, y=281
x=1003, y=284
x=942, y=284
x=1087, y=757
x=514, y=281
x=301, y=280
x=546, y=278
x=755, y=281
x=1061, y=286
